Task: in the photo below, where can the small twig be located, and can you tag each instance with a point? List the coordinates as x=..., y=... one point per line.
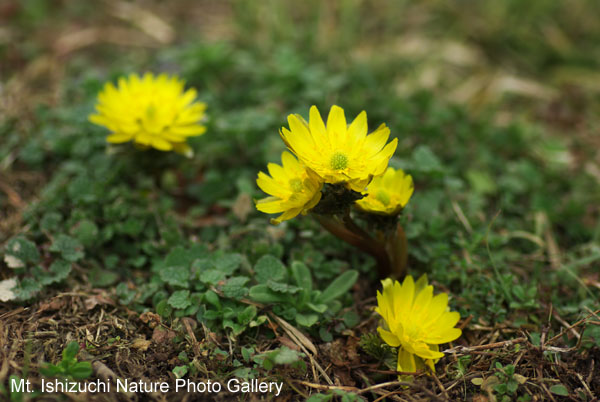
x=573, y=326
x=495, y=345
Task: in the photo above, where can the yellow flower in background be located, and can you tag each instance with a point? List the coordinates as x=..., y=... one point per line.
x=416, y=322
x=338, y=152
x=387, y=194
x=151, y=111
x=292, y=187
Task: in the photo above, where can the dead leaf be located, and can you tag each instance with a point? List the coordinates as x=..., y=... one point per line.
x=242, y=207
x=6, y=287
x=141, y=344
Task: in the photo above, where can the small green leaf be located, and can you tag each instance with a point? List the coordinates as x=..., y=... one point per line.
x=212, y=298
x=302, y=276
x=163, y=309
x=86, y=232
x=425, y=160
x=102, y=277
x=262, y=294
x=307, y=320
x=228, y=263
x=19, y=251
x=180, y=371
x=559, y=389
x=212, y=276
x=339, y=286
x=180, y=299
x=284, y=355
x=319, y=308
x=269, y=268
x=282, y=287
x=246, y=315
x=81, y=370
x=70, y=352
x=235, y=287
x=70, y=248
x=59, y=270
x=176, y=276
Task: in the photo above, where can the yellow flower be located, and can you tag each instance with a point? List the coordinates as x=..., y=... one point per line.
x=151, y=111
x=339, y=153
x=387, y=194
x=417, y=322
x=292, y=187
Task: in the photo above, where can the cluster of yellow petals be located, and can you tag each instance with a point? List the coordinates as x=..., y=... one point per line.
x=293, y=189
x=338, y=152
x=416, y=322
x=152, y=111
x=387, y=194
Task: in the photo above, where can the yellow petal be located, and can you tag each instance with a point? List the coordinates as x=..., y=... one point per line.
x=388, y=337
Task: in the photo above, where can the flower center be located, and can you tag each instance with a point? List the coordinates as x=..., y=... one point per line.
x=383, y=197
x=150, y=111
x=338, y=161
x=296, y=185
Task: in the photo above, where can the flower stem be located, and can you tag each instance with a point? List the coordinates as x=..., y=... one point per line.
x=359, y=239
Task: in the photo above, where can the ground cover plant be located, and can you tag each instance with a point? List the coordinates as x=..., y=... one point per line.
x=123, y=260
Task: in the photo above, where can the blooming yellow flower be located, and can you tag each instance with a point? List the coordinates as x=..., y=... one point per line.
x=339, y=153
x=151, y=111
x=417, y=322
x=292, y=187
x=387, y=194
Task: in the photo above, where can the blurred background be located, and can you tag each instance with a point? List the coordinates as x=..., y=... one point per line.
x=495, y=103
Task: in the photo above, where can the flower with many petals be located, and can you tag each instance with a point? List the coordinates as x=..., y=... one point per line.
x=387, y=194
x=416, y=321
x=338, y=152
x=152, y=111
x=293, y=189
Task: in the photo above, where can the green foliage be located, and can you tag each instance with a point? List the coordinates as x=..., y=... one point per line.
x=295, y=296
x=69, y=367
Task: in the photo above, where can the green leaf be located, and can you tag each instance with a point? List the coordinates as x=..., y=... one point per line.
x=339, y=286
x=176, y=276
x=559, y=389
x=70, y=352
x=228, y=263
x=50, y=370
x=212, y=298
x=282, y=287
x=302, y=276
x=212, y=276
x=247, y=353
x=246, y=315
x=351, y=319
x=269, y=268
x=180, y=371
x=19, y=252
x=27, y=288
x=307, y=320
x=163, y=309
x=425, y=160
x=86, y=232
x=284, y=355
x=235, y=287
x=262, y=294
x=101, y=277
x=71, y=249
x=81, y=370
x=180, y=299
x=319, y=308
x=59, y=270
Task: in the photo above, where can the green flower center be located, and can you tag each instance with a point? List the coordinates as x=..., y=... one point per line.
x=383, y=197
x=150, y=111
x=296, y=185
x=338, y=161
